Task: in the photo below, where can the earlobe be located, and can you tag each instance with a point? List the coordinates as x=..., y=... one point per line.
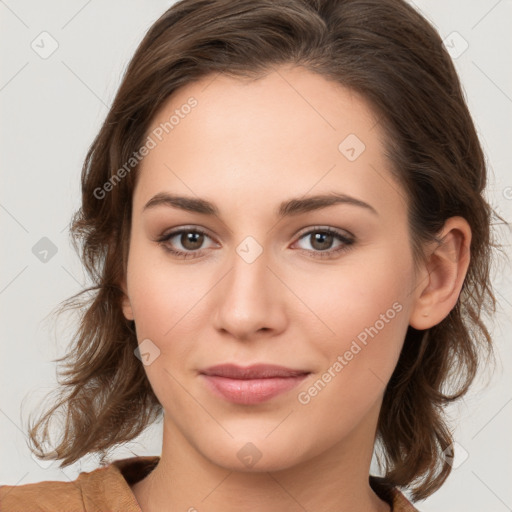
x=126, y=304
x=127, y=309
x=439, y=285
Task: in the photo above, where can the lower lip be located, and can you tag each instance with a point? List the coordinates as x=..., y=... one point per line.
x=251, y=391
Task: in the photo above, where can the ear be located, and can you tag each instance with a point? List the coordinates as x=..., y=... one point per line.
x=125, y=302
x=442, y=275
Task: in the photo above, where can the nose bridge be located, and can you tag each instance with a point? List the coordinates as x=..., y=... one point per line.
x=249, y=298
x=249, y=277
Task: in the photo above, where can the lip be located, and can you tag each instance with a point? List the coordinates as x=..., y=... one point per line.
x=252, y=384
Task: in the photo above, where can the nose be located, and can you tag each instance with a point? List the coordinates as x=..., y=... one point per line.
x=249, y=300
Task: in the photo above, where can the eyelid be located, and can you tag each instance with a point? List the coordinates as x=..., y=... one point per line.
x=329, y=229
x=185, y=229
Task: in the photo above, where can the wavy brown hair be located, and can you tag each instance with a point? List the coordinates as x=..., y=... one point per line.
x=384, y=50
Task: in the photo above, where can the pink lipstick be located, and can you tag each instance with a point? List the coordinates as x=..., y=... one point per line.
x=252, y=384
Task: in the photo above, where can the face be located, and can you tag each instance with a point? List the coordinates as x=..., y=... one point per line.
x=275, y=275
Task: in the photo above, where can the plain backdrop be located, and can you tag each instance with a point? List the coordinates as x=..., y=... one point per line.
x=62, y=62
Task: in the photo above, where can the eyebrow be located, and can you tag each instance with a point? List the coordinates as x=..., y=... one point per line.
x=289, y=207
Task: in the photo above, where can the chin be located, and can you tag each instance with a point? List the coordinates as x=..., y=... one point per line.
x=255, y=455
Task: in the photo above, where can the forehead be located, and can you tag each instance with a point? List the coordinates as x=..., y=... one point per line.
x=290, y=101
x=286, y=133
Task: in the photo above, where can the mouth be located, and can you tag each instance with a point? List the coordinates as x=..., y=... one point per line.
x=253, y=384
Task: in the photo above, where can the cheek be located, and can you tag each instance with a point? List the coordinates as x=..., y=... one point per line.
x=368, y=290
x=162, y=300
x=366, y=305
x=160, y=294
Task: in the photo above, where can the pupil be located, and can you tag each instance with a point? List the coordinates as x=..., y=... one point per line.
x=322, y=237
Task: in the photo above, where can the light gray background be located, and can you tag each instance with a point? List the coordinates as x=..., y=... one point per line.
x=51, y=108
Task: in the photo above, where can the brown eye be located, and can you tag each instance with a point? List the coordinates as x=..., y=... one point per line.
x=191, y=240
x=321, y=240
x=186, y=242
x=325, y=242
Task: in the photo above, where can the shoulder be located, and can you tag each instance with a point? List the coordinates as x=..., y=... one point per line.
x=41, y=496
x=105, y=488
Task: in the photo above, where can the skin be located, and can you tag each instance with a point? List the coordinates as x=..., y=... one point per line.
x=246, y=147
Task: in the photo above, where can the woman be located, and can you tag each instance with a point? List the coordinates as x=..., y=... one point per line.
x=283, y=214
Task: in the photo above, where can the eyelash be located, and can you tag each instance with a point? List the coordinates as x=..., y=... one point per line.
x=347, y=242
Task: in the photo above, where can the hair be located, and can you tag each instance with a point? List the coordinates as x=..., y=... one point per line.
x=385, y=51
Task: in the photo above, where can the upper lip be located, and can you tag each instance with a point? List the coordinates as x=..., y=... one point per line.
x=255, y=371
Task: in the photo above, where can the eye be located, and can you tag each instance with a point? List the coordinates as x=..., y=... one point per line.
x=322, y=241
x=190, y=239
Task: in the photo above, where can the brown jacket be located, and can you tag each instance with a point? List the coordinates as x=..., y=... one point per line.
x=107, y=489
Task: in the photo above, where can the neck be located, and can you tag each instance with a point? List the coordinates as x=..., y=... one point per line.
x=336, y=480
